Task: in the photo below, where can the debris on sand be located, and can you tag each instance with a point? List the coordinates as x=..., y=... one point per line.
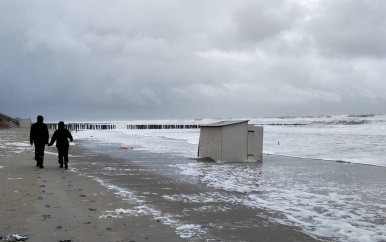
x=14, y=237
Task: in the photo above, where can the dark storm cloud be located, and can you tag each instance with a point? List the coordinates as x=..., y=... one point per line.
x=257, y=21
x=172, y=59
x=351, y=28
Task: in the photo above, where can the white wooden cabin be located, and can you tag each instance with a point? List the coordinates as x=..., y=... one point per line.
x=231, y=141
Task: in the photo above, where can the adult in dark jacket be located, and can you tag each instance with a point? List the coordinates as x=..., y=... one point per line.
x=61, y=136
x=39, y=137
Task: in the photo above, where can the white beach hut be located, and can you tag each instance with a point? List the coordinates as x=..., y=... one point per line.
x=231, y=141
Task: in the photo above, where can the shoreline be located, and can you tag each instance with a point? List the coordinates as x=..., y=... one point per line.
x=320, y=159
x=54, y=204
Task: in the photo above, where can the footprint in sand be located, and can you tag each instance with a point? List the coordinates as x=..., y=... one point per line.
x=92, y=209
x=110, y=229
x=46, y=216
x=40, y=198
x=82, y=195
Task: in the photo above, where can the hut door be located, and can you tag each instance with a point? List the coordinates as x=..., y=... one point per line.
x=251, y=145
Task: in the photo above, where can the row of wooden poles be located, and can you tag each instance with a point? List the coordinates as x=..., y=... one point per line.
x=163, y=126
x=82, y=126
x=96, y=126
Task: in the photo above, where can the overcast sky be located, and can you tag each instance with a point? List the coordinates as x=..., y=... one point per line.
x=122, y=59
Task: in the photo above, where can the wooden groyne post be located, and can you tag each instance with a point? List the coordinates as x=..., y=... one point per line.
x=163, y=126
x=83, y=126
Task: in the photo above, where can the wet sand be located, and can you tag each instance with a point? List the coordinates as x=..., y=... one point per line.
x=54, y=204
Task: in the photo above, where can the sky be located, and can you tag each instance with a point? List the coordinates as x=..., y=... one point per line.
x=171, y=59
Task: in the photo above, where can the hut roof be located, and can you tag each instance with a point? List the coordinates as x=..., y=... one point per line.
x=224, y=123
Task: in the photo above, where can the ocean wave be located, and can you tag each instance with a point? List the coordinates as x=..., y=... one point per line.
x=343, y=122
x=318, y=122
x=362, y=115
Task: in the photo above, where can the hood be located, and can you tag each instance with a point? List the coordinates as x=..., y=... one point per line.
x=40, y=119
x=61, y=125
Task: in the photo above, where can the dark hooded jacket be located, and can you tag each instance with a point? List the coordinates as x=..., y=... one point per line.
x=39, y=133
x=61, y=136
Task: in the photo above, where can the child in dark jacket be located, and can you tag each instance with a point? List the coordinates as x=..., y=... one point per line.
x=61, y=136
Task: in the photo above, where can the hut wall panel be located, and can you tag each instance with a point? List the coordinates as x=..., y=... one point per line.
x=210, y=142
x=234, y=143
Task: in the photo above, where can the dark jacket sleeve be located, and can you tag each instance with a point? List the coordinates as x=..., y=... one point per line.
x=31, y=135
x=53, y=139
x=47, y=135
x=69, y=135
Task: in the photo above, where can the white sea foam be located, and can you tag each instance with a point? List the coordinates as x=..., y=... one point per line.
x=17, y=144
x=141, y=208
x=321, y=208
x=148, y=140
x=120, y=212
x=188, y=230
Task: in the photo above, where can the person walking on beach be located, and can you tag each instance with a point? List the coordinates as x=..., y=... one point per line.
x=39, y=137
x=61, y=136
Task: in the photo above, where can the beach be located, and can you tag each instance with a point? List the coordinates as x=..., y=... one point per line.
x=54, y=204
x=110, y=194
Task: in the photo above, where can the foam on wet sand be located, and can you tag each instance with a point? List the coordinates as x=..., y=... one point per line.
x=110, y=199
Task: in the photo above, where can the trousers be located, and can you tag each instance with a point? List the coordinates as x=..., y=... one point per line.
x=39, y=154
x=62, y=155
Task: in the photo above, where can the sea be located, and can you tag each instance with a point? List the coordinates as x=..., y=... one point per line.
x=323, y=174
x=347, y=138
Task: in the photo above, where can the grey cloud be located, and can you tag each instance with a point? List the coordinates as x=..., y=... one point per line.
x=350, y=28
x=261, y=20
x=172, y=59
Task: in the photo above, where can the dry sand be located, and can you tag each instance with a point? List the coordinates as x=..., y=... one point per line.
x=54, y=204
